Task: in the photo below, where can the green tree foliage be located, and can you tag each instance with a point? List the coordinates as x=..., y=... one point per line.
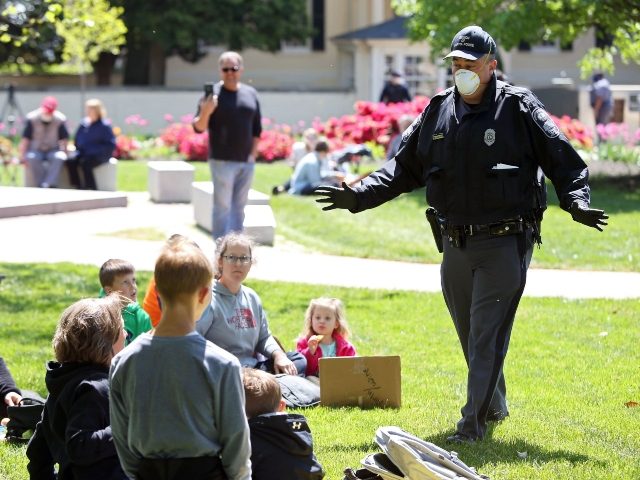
x=28, y=35
x=532, y=21
x=184, y=27
x=89, y=28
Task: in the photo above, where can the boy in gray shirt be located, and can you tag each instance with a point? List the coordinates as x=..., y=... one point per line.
x=177, y=400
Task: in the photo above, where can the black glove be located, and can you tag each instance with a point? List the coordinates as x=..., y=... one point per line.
x=588, y=216
x=337, y=197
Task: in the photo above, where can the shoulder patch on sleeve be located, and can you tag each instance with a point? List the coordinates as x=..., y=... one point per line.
x=544, y=121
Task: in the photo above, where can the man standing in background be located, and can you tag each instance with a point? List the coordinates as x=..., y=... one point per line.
x=231, y=114
x=601, y=99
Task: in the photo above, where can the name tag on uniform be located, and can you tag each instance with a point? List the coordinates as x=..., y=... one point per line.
x=504, y=166
x=438, y=136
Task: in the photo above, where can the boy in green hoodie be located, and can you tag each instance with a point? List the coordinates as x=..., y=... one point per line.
x=120, y=276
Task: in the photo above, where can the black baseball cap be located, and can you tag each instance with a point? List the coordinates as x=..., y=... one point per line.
x=472, y=42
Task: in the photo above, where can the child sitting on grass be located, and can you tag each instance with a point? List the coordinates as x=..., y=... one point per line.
x=281, y=443
x=325, y=334
x=74, y=431
x=120, y=276
x=176, y=399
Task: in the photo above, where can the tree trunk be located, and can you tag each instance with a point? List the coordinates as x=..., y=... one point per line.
x=103, y=68
x=157, y=64
x=136, y=69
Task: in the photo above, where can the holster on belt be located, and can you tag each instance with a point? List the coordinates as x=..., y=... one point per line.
x=432, y=218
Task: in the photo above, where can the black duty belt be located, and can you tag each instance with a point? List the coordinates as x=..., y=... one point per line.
x=457, y=233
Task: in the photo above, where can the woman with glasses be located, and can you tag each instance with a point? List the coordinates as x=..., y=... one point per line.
x=235, y=319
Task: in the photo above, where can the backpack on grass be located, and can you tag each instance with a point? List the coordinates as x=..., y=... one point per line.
x=407, y=457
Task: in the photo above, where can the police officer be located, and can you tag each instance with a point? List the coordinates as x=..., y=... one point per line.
x=478, y=148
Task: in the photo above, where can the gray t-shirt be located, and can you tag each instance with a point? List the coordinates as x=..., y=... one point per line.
x=178, y=397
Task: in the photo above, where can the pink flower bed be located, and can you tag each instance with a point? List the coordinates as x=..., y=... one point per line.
x=125, y=147
x=575, y=131
x=275, y=143
x=371, y=122
x=619, y=133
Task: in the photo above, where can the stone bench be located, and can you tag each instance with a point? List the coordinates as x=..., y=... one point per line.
x=106, y=176
x=259, y=221
x=170, y=181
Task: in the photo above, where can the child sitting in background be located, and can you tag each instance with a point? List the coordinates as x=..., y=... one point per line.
x=281, y=443
x=325, y=333
x=176, y=399
x=74, y=431
x=120, y=276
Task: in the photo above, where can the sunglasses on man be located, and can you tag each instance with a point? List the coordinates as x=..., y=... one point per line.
x=235, y=68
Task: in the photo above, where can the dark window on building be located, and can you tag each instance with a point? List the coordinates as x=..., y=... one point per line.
x=317, y=22
x=524, y=46
x=603, y=39
x=566, y=47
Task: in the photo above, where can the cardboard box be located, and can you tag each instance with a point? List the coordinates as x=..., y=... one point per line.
x=360, y=381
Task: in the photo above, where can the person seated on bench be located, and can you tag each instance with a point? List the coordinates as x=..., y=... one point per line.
x=43, y=147
x=94, y=142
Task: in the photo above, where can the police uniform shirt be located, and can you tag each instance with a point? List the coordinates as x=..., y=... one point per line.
x=480, y=167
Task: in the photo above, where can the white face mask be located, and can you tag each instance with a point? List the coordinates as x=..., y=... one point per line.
x=467, y=82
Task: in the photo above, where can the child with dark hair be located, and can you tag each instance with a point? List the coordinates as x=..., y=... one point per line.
x=120, y=276
x=281, y=443
x=75, y=431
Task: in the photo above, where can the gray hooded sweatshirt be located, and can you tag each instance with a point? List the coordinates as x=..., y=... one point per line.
x=238, y=324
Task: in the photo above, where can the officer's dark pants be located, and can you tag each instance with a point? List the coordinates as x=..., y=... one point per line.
x=482, y=285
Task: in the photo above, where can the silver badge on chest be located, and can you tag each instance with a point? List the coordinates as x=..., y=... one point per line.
x=489, y=136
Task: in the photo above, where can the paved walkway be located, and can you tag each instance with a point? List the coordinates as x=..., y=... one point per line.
x=90, y=237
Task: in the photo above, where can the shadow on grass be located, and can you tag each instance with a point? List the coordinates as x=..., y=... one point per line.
x=365, y=447
x=490, y=451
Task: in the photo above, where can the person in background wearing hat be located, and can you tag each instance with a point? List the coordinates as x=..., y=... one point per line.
x=395, y=90
x=44, y=143
x=478, y=148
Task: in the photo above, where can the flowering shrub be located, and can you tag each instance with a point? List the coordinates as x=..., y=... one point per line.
x=576, y=132
x=370, y=123
x=618, y=133
x=618, y=143
x=195, y=146
x=6, y=149
x=182, y=137
x=125, y=145
x=275, y=143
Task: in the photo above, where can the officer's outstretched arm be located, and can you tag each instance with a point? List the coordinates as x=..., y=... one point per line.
x=588, y=216
x=336, y=197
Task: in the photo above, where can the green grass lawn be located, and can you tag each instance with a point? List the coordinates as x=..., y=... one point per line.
x=572, y=366
x=398, y=229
